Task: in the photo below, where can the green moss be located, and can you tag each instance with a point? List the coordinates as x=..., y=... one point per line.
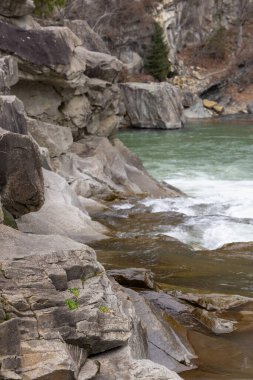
x=74, y=291
x=9, y=220
x=72, y=304
x=104, y=309
x=44, y=8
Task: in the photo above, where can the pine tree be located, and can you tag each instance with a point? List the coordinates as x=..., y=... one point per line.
x=157, y=62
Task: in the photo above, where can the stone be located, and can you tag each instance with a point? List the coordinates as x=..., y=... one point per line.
x=213, y=322
x=165, y=347
x=209, y=104
x=133, y=277
x=188, y=99
x=133, y=62
x=12, y=114
x=213, y=302
x=8, y=73
x=55, y=138
x=250, y=108
x=100, y=65
x=101, y=169
x=218, y=108
x=154, y=105
x=21, y=179
x=61, y=214
x=197, y=111
x=120, y=364
x=78, y=111
x=90, y=39
x=1, y=213
x=16, y=8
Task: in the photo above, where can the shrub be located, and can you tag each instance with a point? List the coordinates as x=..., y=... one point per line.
x=157, y=62
x=72, y=304
x=44, y=8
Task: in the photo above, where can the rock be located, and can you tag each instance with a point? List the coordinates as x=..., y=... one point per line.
x=64, y=309
x=212, y=302
x=78, y=112
x=100, y=65
x=21, y=180
x=155, y=105
x=16, y=8
x=120, y=364
x=103, y=170
x=15, y=244
x=133, y=277
x=12, y=114
x=61, y=214
x=209, y=104
x=197, y=111
x=250, y=108
x=218, y=108
x=213, y=322
x=90, y=39
x=165, y=347
x=89, y=370
x=1, y=213
x=188, y=99
x=55, y=138
x=133, y=62
x=8, y=73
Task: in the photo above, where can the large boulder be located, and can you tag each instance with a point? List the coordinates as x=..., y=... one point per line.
x=250, y=107
x=154, y=105
x=62, y=214
x=16, y=8
x=21, y=179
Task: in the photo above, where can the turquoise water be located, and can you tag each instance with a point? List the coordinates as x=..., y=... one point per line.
x=212, y=163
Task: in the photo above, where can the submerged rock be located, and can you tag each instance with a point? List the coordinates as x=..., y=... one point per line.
x=154, y=105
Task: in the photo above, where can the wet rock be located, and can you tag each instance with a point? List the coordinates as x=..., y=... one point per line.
x=213, y=322
x=21, y=180
x=55, y=138
x=154, y=105
x=211, y=302
x=121, y=365
x=164, y=345
x=133, y=277
x=61, y=214
x=16, y=8
x=12, y=115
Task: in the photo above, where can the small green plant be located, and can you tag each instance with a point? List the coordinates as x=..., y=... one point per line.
x=157, y=62
x=44, y=8
x=74, y=291
x=104, y=309
x=72, y=304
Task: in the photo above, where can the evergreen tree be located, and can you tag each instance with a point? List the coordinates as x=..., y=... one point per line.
x=157, y=62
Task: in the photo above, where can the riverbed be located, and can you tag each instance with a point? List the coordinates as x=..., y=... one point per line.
x=180, y=239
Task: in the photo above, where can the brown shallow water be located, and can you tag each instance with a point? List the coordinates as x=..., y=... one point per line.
x=136, y=242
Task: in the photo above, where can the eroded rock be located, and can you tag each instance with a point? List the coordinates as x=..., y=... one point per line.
x=154, y=105
x=133, y=277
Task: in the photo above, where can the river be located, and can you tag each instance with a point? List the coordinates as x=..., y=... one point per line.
x=180, y=239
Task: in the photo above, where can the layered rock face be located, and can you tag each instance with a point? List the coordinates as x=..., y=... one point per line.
x=61, y=317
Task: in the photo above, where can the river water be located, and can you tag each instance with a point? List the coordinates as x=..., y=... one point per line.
x=180, y=239
x=212, y=163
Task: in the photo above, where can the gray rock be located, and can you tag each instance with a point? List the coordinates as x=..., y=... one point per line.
x=119, y=364
x=55, y=138
x=250, y=108
x=133, y=277
x=213, y=322
x=8, y=73
x=12, y=114
x=154, y=105
x=61, y=214
x=90, y=39
x=21, y=180
x=164, y=345
x=197, y=111
x=16, y=8
x=100, y=65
